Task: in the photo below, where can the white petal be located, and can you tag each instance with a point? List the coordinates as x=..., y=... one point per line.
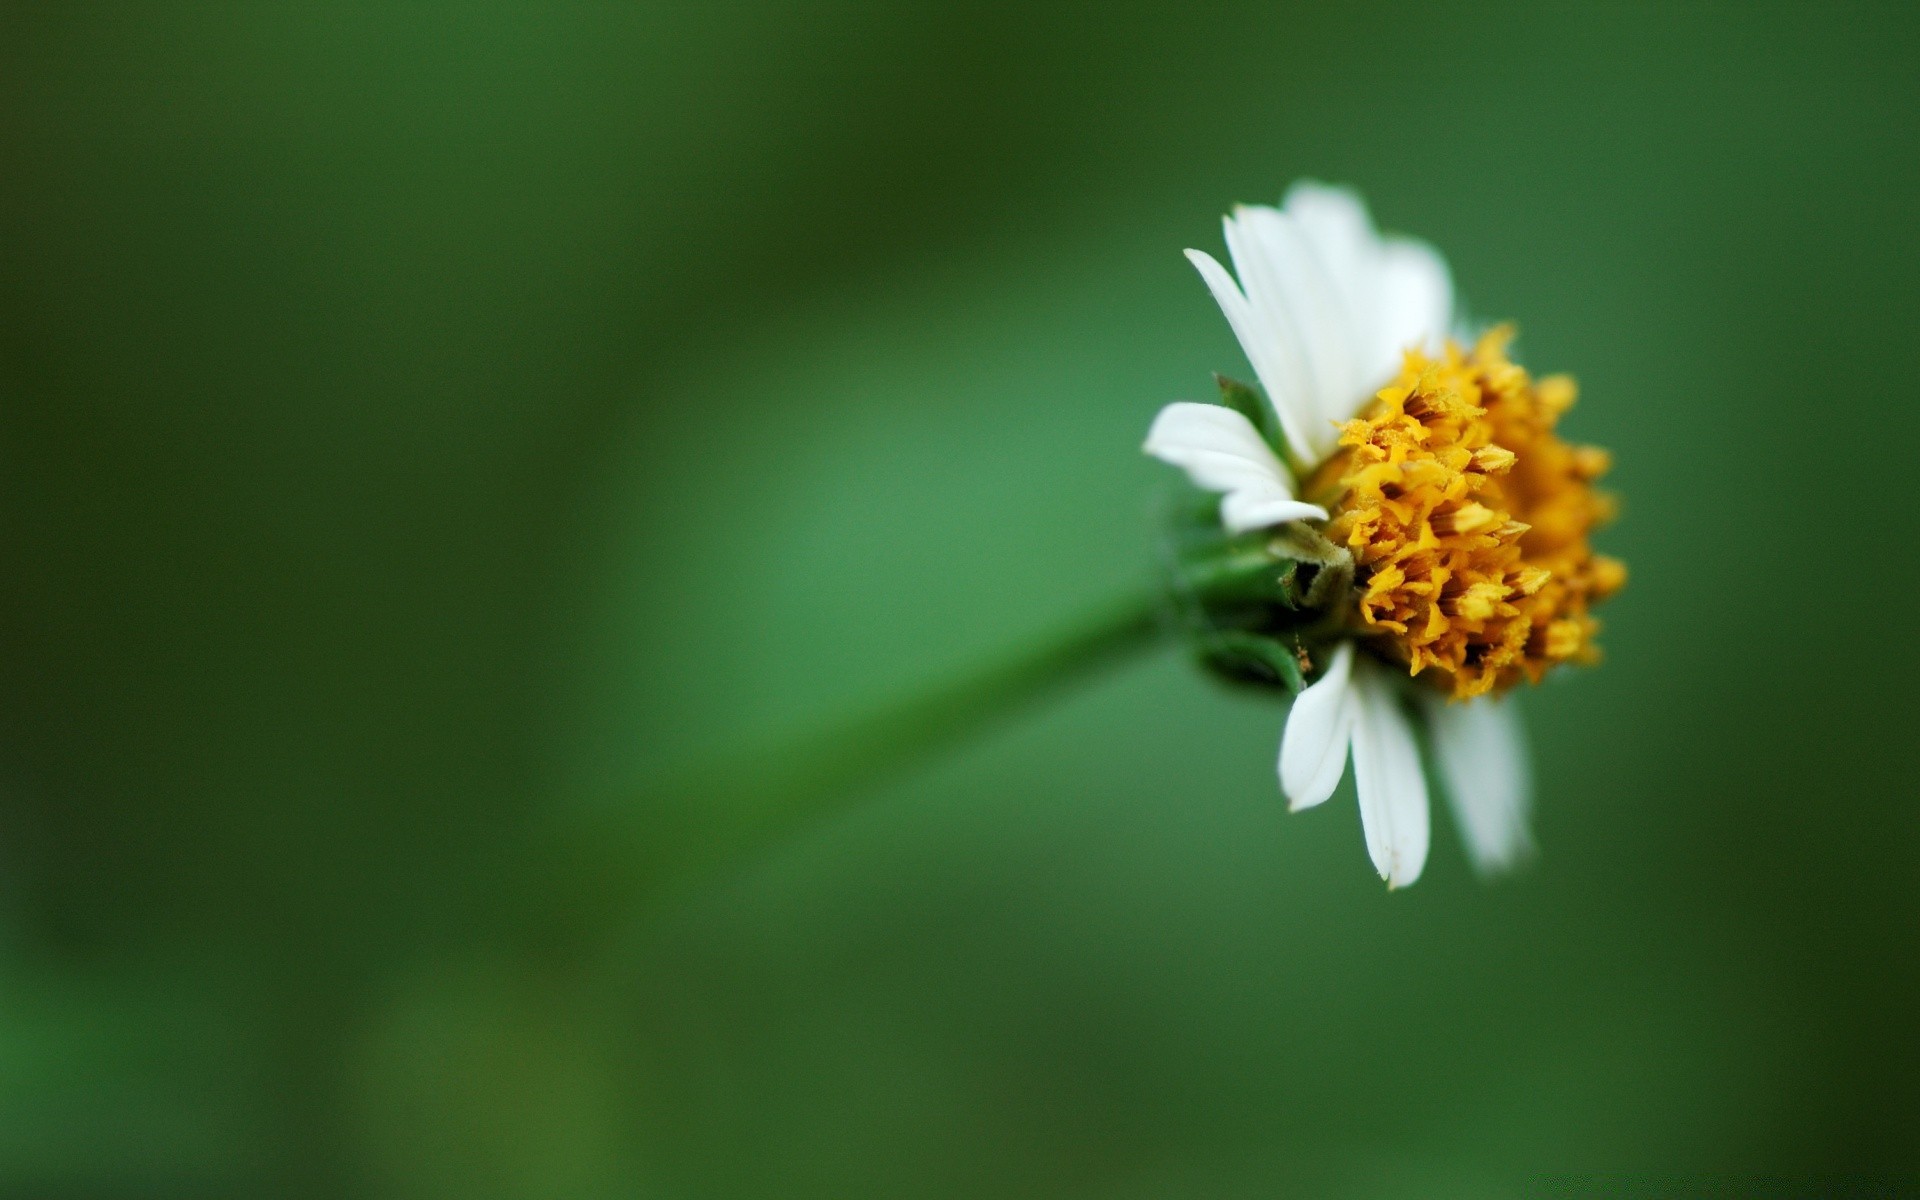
x=1386, y=773
x=1335, y=223
x=1415, y=304
x=1313, y=751
x=1482, y=755
x=1221, y=451
x=1273, y=350
x=1397, y=290
x=1284, y=279
x=1325, y=306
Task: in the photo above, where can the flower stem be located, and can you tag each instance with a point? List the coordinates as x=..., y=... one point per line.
x=604, y=873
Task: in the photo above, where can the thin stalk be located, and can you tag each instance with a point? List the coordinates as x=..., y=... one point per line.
x=605, y=873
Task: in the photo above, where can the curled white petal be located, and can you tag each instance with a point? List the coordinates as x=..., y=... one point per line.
x=1481, y=752
x=1221, y=451
x=1313, y=751
x=1216, y=446
x=1253, y=509
x=1386, y=774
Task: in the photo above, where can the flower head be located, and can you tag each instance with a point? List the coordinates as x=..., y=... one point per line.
x=1469, y=519
x=1419, y=541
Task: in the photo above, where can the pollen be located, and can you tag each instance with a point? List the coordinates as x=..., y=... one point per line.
x=1468, y=520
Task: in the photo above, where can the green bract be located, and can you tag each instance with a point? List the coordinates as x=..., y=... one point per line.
x=1256, y=606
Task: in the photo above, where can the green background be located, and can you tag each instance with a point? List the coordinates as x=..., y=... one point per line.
x=423, y=420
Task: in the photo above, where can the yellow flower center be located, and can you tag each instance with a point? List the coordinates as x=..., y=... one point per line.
x=1468, y=519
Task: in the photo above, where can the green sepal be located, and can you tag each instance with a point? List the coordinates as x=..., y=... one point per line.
x=1253, y=657
x=1243, y=399
x=1242, y=570
x=1253, y=605
x=1334, y=575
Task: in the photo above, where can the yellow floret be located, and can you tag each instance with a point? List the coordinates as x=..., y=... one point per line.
x=1468, y=520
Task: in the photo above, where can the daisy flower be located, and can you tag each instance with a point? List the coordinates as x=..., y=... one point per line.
x=1402, y=536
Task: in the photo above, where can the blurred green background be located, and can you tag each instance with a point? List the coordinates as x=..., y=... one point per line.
x=423, y=420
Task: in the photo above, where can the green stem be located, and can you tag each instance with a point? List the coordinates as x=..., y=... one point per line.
x=605, y=873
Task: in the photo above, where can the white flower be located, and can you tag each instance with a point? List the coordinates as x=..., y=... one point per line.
x=1325, y=307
